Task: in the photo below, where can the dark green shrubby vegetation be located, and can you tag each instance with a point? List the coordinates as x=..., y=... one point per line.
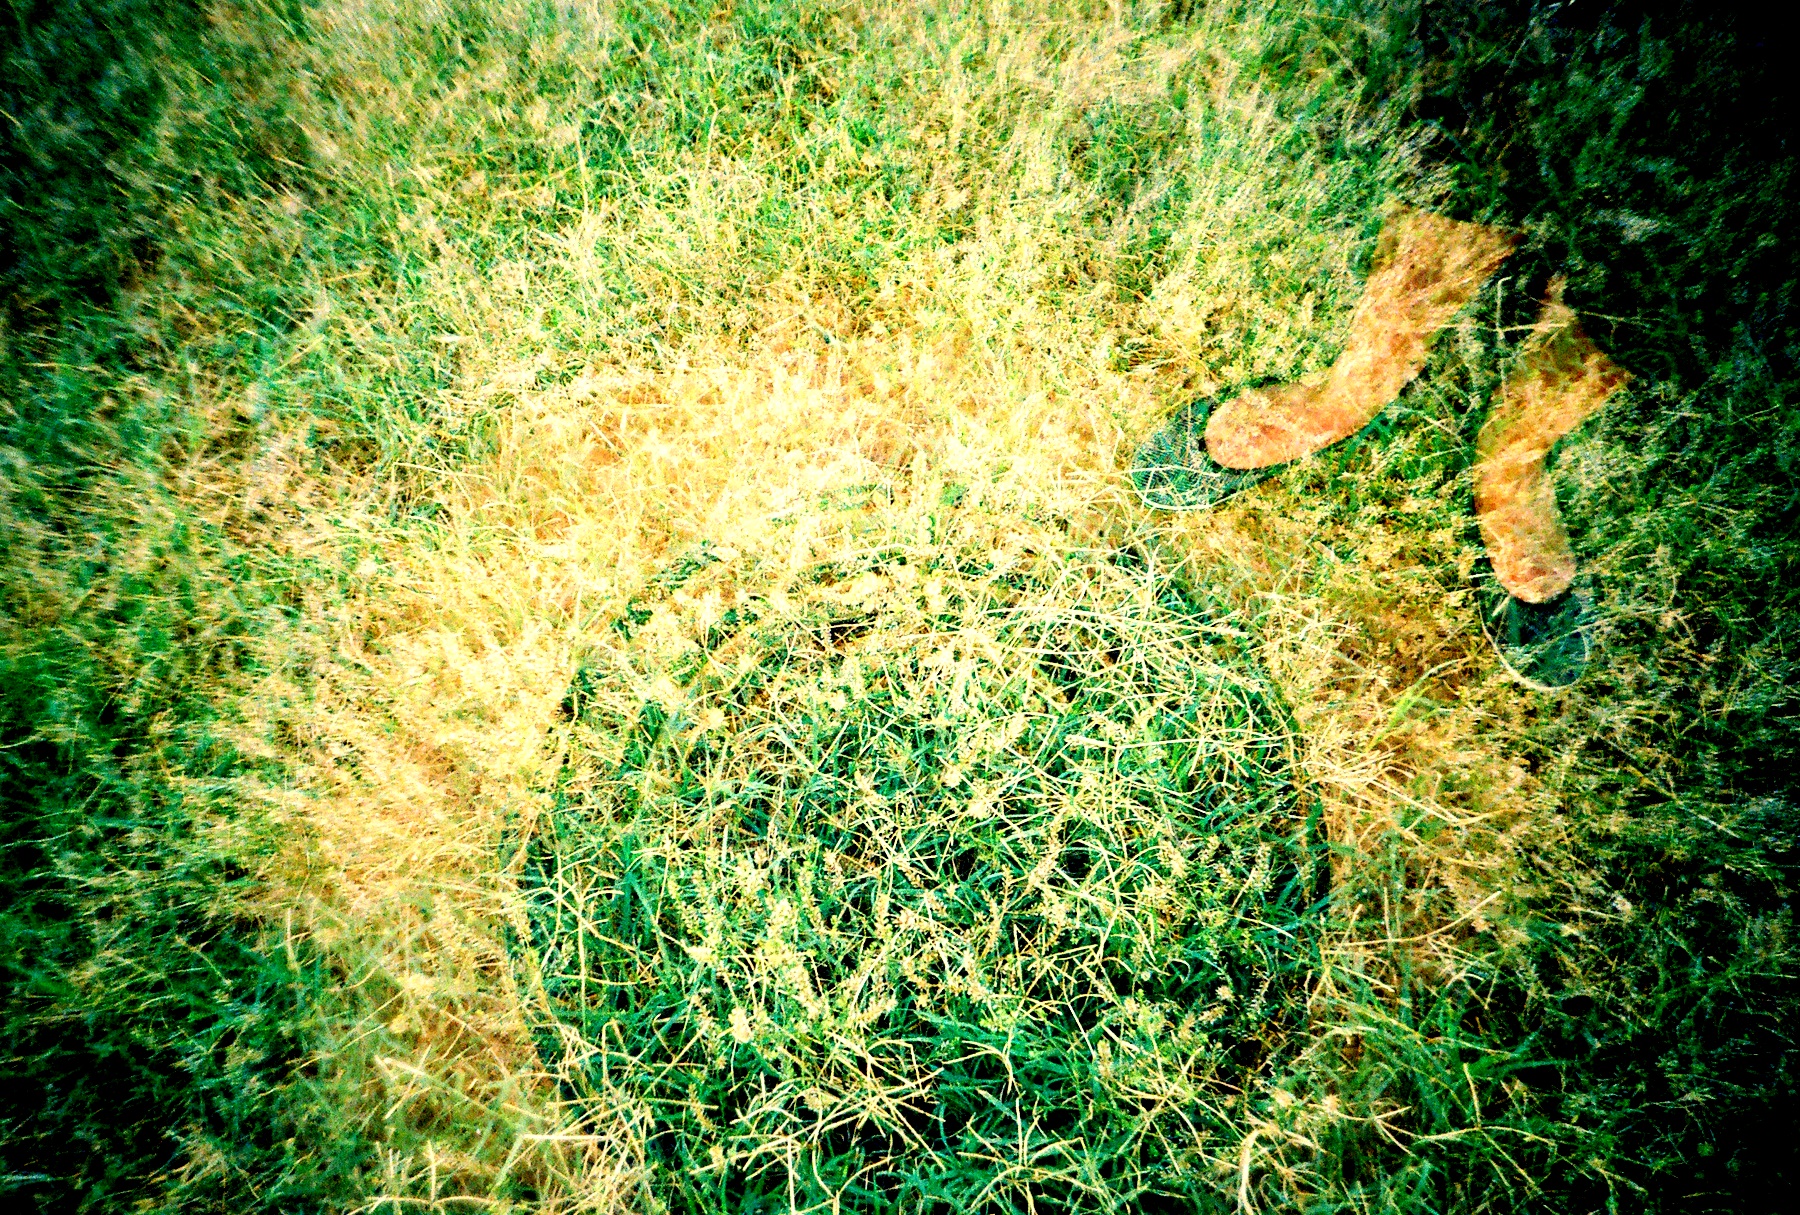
x=855, y=916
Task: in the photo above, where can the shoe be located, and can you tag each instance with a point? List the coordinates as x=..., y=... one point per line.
x=1172, y=471
x=1544, y=646
x=1559, y=380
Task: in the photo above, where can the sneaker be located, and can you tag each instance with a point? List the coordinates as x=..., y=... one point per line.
x=1544, y=646
x=1172, y=471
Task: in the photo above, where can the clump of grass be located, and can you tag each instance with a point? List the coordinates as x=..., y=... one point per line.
x=929, y=873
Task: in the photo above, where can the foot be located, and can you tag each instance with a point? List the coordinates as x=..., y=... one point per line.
x=1561, y=378
x=1427, y=268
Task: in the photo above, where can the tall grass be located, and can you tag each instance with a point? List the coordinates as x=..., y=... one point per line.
x=373, y=368
x=153, y=1030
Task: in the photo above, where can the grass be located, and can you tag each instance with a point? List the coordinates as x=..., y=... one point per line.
x=961, y=867
x=574, y=638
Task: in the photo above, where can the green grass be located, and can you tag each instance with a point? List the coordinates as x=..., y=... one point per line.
x=152, y=1033
x=374, y=372
x=927, y=877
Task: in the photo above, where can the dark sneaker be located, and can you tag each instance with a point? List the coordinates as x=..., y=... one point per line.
x=1544, y=646
x=1172, y=471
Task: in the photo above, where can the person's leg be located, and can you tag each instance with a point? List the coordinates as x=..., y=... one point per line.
x=1427, y=269
x=1558, y=381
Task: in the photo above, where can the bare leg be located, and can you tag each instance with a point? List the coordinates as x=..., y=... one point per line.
x=1426, y=269
x=1560, y=380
